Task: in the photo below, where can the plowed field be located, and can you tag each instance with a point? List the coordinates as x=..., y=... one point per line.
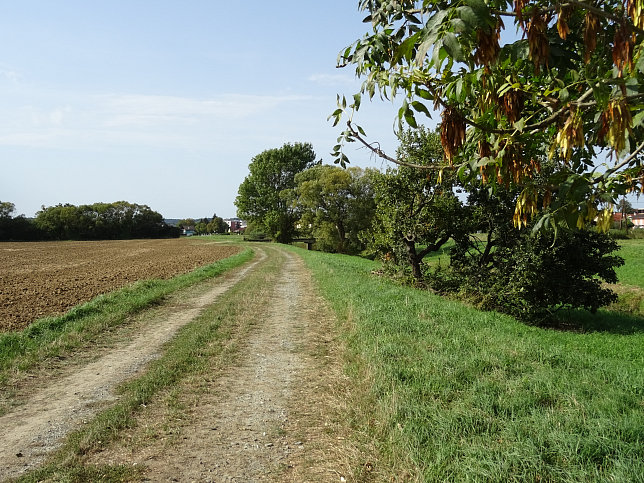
x=40, y=279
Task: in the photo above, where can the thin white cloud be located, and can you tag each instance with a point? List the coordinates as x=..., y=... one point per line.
x=332, y=79
x=146, y=110
x=11, y=75
x=143, y=120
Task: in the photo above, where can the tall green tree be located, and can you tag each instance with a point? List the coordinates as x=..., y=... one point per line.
x=625, y=208
x=217, y=225
x=568, y=87
x=263, y=195
x=337, y=204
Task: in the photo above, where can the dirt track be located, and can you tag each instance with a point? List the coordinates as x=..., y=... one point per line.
x=266, y=418
x=48, y=278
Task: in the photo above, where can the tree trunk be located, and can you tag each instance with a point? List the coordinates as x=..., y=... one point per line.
x=341, y=233
x=414, y=260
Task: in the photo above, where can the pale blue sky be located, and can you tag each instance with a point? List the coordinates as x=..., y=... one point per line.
x=164, y=103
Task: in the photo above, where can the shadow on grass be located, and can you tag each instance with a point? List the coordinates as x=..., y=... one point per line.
x=603, y=321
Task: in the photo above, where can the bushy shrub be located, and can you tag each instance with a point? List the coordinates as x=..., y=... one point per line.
x=541, y=273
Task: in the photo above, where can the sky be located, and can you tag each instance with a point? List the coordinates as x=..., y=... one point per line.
x=165, y=103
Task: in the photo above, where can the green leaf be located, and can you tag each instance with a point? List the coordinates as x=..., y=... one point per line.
x=458, y=25
x=481, y=10
x=459, y=90
x=637, y=120
x=411, y=120
x=411, y=18
x=519, y=125
x=424, y=94
x=420, y=107
x=421, y=53
x=406, y=49
x=467, y=15
x=453, y=47
x=436, y=55
x=436, y=20
x=356, y=101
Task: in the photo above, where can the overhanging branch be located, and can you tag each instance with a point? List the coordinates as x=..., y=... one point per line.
x=381, y=154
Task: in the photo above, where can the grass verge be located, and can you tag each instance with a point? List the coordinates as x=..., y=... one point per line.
x=56, y=336
x=449, y=393
x=203, y=346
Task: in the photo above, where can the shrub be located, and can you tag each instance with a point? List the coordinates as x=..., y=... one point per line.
x=535, y=275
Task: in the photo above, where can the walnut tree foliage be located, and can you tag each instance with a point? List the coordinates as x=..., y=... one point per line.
x=517, y=83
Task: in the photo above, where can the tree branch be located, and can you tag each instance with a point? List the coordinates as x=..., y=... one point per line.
x=627, y=161
x=381, y=154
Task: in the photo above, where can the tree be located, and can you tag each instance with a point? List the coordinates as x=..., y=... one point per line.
x=187, y=224
x=6, y=209
x=625, y=208
x=336, y=203
x=568, y=89
x=100, y=221
x=417, y=213
x=262, y=196
x=217, y=225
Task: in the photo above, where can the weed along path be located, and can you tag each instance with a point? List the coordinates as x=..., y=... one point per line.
x=263, y=404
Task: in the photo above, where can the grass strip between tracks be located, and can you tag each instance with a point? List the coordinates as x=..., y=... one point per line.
x=56, y=336
x=211, y=339
x=449, y=393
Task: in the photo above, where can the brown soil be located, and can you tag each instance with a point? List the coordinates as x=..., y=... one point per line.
x=41, y=279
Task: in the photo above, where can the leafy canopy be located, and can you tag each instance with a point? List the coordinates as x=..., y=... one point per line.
x=416, y=214
x=261, y=196
x=517, y=82
x=335, y=205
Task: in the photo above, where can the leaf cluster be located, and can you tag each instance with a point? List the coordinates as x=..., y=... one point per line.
x=567, y=86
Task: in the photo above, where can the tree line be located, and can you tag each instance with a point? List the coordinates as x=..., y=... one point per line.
x=98, y=221
x=403, y=214
x=205, y=226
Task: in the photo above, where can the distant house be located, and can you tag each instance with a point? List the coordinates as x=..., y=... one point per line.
x=636, y=218
x=235, y=225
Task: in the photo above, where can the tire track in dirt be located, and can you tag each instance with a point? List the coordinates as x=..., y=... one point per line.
x=34, y=429
x=234, y=440
x=266, y=418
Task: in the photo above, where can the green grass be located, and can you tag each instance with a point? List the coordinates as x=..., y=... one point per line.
x=454, y=394
x=632, y=272
x=55, y=336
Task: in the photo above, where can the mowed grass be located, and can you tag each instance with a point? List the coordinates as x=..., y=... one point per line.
x=448, y=393
x=632, y=272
